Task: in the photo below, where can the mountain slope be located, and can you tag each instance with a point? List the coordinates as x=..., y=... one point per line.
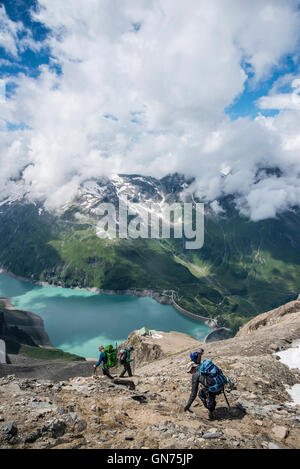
x=243, y=269
x=95, y=412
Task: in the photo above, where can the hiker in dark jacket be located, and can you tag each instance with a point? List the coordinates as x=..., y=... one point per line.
x=126, y=364
x=103, y=360
x=208, y=399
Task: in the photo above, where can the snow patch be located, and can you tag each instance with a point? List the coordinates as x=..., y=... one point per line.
x=291, y=356
x=294, y=392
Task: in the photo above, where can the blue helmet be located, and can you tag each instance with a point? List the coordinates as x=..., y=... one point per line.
x=194, y=357
x=130, y=347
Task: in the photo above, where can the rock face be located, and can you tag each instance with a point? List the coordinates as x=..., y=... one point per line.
x=144, y=350
x=221, y=333
x=95, y=412
x=275, y=316
x=21, y=327
x=158, y=345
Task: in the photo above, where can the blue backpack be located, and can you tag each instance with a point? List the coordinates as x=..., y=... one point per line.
x=217, y=379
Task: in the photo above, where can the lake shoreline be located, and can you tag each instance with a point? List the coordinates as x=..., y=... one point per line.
x=160, y=298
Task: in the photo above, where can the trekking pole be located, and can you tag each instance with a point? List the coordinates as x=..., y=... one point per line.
x=226, y=400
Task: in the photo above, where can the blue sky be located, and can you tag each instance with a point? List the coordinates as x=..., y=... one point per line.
x=246, y=103
x=28, y=61
x=208, y=89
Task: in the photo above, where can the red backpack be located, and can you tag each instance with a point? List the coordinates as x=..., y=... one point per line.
x=122, y=356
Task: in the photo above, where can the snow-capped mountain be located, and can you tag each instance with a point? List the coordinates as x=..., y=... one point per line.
x=243, y=268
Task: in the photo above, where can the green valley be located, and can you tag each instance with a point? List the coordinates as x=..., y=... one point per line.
x=243, y=269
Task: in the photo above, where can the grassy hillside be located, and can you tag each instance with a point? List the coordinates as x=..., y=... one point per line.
x=43, y=353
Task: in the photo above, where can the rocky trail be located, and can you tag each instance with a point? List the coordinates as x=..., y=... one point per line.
x=147, y=411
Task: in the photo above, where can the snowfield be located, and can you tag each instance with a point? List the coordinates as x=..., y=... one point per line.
x=291, y=358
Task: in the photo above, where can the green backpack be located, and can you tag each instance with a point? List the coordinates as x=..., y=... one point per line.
x=112, y=357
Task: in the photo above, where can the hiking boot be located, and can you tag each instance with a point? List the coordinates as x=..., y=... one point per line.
x=211, y=415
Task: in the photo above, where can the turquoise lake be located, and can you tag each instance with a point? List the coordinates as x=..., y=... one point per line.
x=78, y=321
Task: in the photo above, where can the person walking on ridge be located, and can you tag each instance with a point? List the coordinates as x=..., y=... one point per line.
x=126, y=361
x=103, y=360
x=208, y=399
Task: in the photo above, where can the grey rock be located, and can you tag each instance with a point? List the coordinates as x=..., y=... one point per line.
x=10, y=429
x=57, y=428
x=57, y=388
x=280, y=432
x=71, y=408
x=81, y=425
x=273, y=446
x=274, y=347
x=96, y=409
x=75, y=422
x=61, y=410
x=71, y=418
x=211, y=436
x=32, y=437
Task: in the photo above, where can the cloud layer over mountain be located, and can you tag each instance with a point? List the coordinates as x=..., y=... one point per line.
x=144, y=87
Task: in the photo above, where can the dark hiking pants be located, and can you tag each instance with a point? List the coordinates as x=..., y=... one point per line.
x=208, y=399
x=107, y=373
x=127, y=368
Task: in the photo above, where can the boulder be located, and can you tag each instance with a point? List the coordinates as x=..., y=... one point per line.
x=280, y=432
x=10, y=429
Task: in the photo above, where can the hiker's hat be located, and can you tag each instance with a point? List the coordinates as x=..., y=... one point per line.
x=130, y=347
x=190, y=367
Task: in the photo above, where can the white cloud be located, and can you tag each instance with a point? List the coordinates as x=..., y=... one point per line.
x=14, y=37
x=283, y=100
x=216, y=207
x=150, y=99
x=8, y=33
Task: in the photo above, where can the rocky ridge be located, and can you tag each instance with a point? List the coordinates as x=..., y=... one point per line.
x=95, y=412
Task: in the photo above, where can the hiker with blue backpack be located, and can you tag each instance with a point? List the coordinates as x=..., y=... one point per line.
x=212, y=381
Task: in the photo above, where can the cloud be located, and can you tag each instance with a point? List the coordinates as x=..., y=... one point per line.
x=144, y=88
x=8, y=33
x=283, y=100
x=15, y=37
